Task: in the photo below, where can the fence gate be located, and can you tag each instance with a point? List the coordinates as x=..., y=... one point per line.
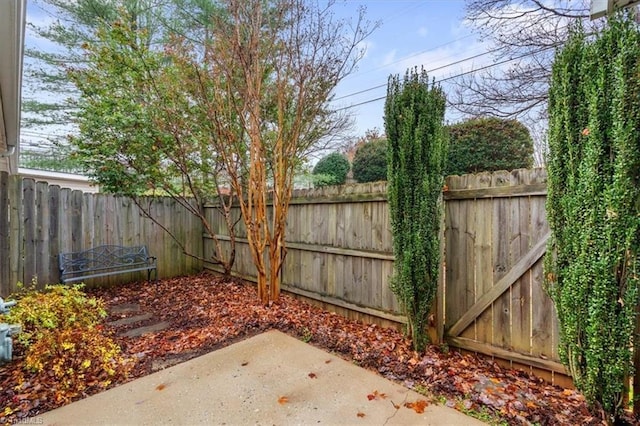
x=495, y=238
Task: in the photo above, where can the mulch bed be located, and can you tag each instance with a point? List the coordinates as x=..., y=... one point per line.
x=207, y=312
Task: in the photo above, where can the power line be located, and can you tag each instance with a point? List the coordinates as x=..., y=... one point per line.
x=460, y=74
x=428, y=71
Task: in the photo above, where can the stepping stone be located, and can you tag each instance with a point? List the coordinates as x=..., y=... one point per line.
x=125, y=308
x=130, y=320
x=136, y=332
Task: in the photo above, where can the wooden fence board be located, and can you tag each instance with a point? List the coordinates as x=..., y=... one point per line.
x=53, y=195
x=39, y=221
x=483, y=259
x=42, y=233
x=5, y=247
x=16, y=217
x=29, y=223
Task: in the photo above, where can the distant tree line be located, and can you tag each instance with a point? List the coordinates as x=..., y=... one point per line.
x=476, y=145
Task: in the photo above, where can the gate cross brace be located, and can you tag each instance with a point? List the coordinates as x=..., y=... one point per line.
x=523, y=265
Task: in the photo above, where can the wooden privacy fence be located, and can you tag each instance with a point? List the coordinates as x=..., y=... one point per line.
x=38, y=221
x=491, y=299
x=339, y=252
x=339, y=249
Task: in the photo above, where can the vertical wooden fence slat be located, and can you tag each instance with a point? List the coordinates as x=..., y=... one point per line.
x=502, y=306
x=76, y=221
x=42, y=234
x=54, y=227
x=483, y=259
x=29, y=223
x=15, y=231
x=470, y=282
x=5, y=253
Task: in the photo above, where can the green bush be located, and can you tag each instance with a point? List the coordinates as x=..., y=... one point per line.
x=331, y=170
x=413, y=116
x=593, y=208
x=66, y=348
x=488, y=144
x=57, y=307
x=370, y=161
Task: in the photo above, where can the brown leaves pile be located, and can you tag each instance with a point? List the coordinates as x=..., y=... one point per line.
x=207, y=312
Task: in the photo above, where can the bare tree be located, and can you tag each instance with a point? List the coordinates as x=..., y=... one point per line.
x=264, y=82
x=524, y=35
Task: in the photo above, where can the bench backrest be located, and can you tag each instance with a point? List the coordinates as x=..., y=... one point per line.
x=101, y=258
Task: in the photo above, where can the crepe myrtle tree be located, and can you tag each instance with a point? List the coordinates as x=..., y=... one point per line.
x=262, y=84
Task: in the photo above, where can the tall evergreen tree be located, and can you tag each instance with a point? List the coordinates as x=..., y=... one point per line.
x=593, y=261
x=414, y=117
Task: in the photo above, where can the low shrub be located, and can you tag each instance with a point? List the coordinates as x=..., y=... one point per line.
x=57, y=307
x=65, y=347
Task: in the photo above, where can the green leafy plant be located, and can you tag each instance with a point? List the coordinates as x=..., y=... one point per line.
x=414, y=115
x=64, y=342
x=488, y=144
x=370, y=161
x=57, y=307
x=593, y=258
x=77, y=357
x=331, y=169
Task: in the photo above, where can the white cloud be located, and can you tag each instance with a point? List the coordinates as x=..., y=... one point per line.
x=389, y=57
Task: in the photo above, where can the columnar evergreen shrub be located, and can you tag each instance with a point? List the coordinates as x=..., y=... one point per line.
x=593, y=261
x=370, y=161
x=488, y=144
x=414, y=116
x=331, y=170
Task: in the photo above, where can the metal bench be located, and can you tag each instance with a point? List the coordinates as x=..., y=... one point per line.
x=102, y=261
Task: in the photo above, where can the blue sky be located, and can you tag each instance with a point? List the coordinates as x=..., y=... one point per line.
x=429, y=33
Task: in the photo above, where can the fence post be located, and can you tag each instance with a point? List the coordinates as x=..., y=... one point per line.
x=16, y=231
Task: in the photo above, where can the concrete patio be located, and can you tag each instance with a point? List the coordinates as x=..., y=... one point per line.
x=270, y=379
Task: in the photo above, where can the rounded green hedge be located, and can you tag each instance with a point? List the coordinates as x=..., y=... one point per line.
x=370, y=161
x=331, y=170
x=488, y=144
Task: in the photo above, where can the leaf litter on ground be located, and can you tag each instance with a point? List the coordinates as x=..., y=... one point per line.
x=207, y=312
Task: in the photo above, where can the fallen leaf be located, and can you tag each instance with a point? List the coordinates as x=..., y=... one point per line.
x=283, y=400
x=313, y=375
x=417, y=406
x=245, y=363
x=360, y=415
x=376, y=395
x=161, y=386
x=327, y=361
